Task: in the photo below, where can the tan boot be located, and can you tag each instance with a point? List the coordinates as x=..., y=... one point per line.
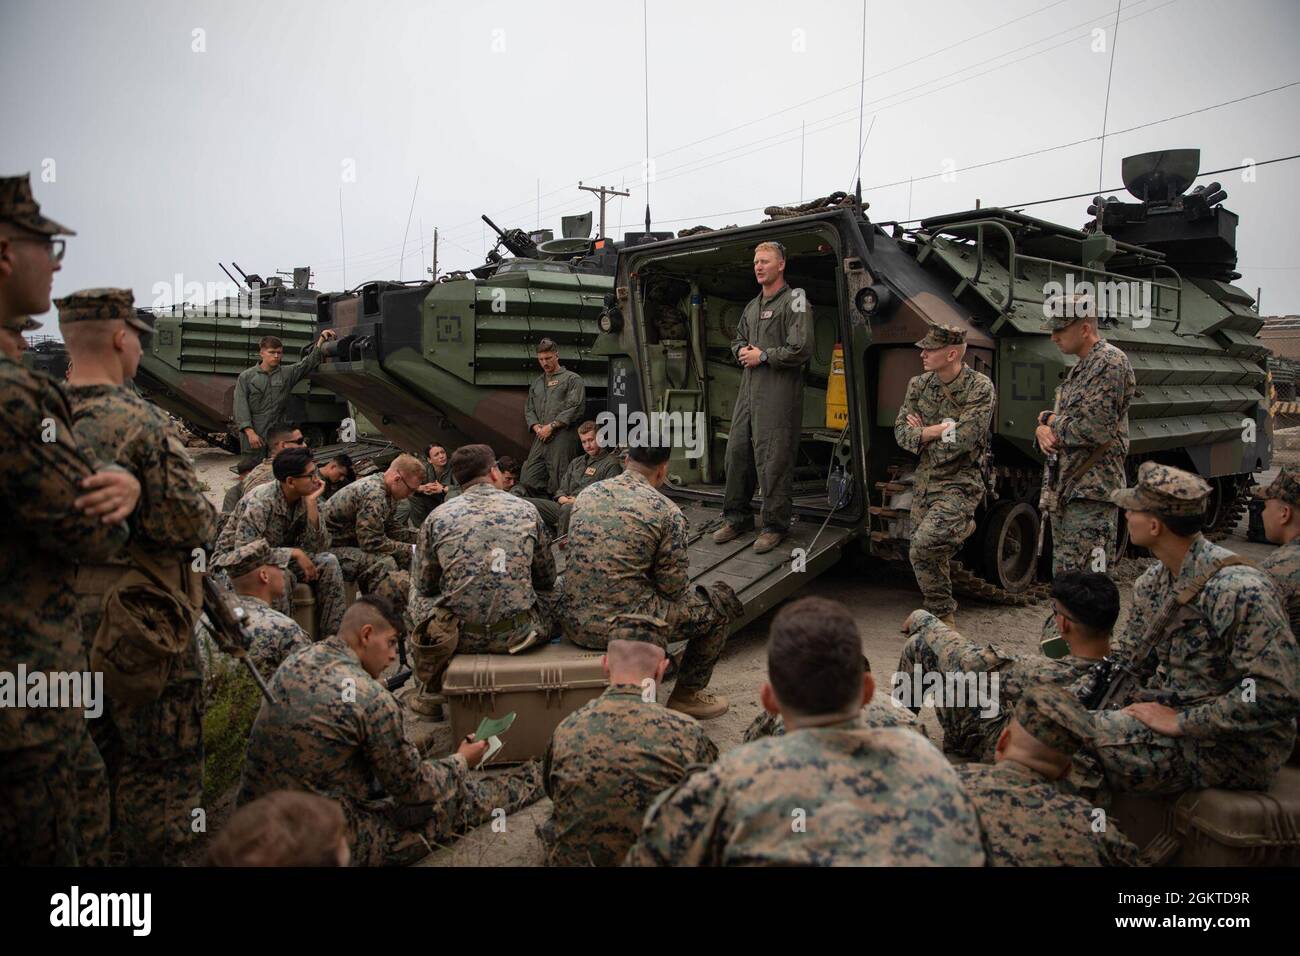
x=425, y=702
x=728, y=532
x=950, y=621
x=766, y=541
x=699, y=704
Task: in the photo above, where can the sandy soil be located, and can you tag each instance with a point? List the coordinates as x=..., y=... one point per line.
x=880, y=596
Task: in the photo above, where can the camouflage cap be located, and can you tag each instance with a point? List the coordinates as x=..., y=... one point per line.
x=1285, y=487
x=1053, y=717
x=941, y=336
x=19, y=206
x=1162, y=489
x=21, y=323
x=90, y=305
x=248, y=557
x=1061, y=311
x=639, y=627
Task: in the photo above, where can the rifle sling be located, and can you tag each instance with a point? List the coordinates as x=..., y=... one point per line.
x=1156, y=630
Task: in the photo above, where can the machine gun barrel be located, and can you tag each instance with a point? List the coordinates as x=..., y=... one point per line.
x=495, y=228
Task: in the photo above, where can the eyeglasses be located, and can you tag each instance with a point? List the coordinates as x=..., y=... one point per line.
x=1052, y=616
x=413, y=488
x=55, y=247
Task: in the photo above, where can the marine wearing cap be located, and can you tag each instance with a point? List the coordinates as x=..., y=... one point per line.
x=1285, y=488
x=1051, y=716
x=249, y=557
x=18, y=207
x=91, y=305
x=942, y=336
x=1162, y=489
x=1071, y=309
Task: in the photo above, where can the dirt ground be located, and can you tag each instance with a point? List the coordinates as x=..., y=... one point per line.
x=880, y=597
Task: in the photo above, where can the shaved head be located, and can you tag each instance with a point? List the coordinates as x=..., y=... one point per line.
x=639, y=658
x=409, y=466
x=90, y=337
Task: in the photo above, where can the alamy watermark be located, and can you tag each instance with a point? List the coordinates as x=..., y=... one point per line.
x=77, y=689
x=958, y=689
x=1107, y=299
x=626, y=429
x=222, y=300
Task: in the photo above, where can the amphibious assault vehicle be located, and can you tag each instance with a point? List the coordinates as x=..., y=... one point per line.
x=451, y=361
x=874, y=288
x=192, y=360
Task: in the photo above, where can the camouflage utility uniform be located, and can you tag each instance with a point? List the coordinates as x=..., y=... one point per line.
x=272, y=637
x=1092, y=409
x=627, y=555
x=154, y=752
x=820, y=796
x=1026, y=820
x=948, y=484
x=261, y=397
x=1283, y=565
x=605, y=764
x=768, y=418
x=372, y=545
x=558, y=399
x=265, y=513
x=934, y=648
x=337, y=729
x=54, y=805
x=1228, y=665
x=483, y=580
x=880, y=713
x=582, y=471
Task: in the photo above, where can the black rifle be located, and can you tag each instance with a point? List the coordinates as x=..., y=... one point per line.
x=228, y=630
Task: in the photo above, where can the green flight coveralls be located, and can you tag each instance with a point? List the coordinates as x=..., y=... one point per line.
x=766, y=423
x=561, y=398
x=261, y=397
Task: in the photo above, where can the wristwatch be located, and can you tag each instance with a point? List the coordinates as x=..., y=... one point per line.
x=1043, y=417
x=762, y=356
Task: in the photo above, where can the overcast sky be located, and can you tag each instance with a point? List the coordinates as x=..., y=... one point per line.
x=180, y=134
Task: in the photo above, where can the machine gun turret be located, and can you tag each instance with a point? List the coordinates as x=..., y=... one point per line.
x=517, y=243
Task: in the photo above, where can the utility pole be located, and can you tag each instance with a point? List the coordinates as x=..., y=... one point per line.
x=435, y=253
x=603, y=192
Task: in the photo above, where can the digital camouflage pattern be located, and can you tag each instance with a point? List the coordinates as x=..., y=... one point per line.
x=99, y=305
x=948, y=484
x=261, y=397
x=19, y=206
x=582, y=471
x=1092, y=409
x=373, y=545
x=839, y=795
x=941, y=336
x=562, y=398
x=261, y=474
x=486, y=557
x=156, y=779
x=768, y=418
x=1163, y=489
x=1283, y=566
x=272, y=637
x=52, y=780
x=336, y=729
x=933, y=647
x=1228, y=664
x=265, y=513
x=627, y=555
x=1026, y=820
x=605, y=764
x=880, y=713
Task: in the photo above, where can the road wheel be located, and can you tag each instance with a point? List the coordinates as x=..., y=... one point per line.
x=1010, y=536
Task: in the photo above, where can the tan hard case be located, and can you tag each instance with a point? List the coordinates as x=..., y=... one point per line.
x=542, y=686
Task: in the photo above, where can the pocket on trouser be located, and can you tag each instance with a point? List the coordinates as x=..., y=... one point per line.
x=38, y=819
x=433, y=643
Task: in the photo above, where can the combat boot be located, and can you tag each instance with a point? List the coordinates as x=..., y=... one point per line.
x=950, y=621
x=768, y=540
x=729, y=532
x=425, y=702
x=700, y=704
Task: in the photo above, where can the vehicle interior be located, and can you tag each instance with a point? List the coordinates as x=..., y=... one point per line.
x=690, y=305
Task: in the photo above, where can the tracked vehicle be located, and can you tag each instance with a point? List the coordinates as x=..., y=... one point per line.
x=874, y=288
